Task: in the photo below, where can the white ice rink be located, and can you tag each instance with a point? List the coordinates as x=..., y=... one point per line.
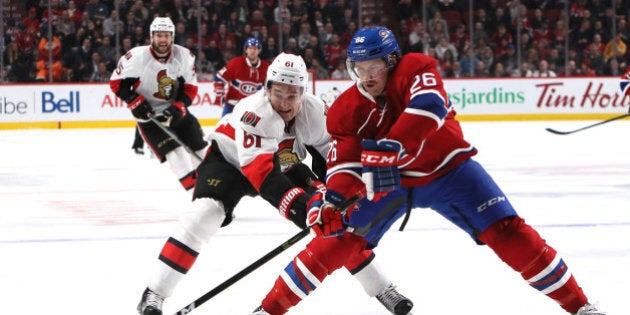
x=82, y=220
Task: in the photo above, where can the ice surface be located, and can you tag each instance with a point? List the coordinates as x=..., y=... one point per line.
x=82, y=220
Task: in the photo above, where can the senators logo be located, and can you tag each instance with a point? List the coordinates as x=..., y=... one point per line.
x=250, y=118
x=167, y=87
x=286, y=156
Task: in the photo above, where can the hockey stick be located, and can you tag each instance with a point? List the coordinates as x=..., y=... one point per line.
x=174, y=136
x=261, y=261
x=586, y=127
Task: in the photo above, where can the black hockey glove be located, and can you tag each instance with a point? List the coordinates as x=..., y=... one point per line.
x=140, y=108
x=175, y=112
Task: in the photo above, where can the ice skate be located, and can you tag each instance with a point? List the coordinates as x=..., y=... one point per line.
x=589, y=309
x=259, y=311
x=151, y=303
x=395, y=302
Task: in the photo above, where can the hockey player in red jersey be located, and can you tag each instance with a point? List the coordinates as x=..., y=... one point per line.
x=159, y=81
x=257, y=150
x=394, y=136
x=242, y=76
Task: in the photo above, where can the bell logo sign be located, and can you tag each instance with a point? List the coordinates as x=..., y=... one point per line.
x=62, y=105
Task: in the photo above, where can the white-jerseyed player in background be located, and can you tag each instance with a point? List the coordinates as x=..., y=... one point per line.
x=259, y=149
x=159, y=80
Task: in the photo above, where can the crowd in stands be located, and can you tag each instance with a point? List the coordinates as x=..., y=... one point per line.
x=84, y=35
x=536, y=28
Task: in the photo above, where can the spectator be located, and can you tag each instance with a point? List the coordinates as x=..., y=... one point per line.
x=112, y=23
x=434, y=28
x=270, y=49
x=467, y=61
x=543, y=70
x=43, y=61
x=443, y=46
x=73, y=13
x=82, y=57
x=596, y=60
x=97, y=11
x=282, y=13
x=107, y=53
x=609, y=51
x=509, y=61
x=25, y=42
x=21, y=70
x=333, y=52
x=304, y=35
x=102, y=74
x=326, y=34
x=65, y=25
x=455, y=71
x=31, y=21
x=523, y=71
x=320, y=71
x=341, y=71
x=87, y=23
x=498, y=71
x=418, y=39
x=222, y=36
x=460, y=37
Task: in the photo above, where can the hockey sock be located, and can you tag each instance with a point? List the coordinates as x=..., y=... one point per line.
x=180, y=163
x=370, y=276
x=522, y=248
x=321, y=257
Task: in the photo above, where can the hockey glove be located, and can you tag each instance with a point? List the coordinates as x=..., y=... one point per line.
x=380, y=167
x=219, y=89
x=323, y=216
x=293, y=206
x=140, y=108
x=175, y=112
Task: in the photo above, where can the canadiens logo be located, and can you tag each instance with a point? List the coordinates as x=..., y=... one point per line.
x=167, y=87
x=250, y=118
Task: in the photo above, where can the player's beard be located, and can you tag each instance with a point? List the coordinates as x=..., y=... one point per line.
x=161, y=49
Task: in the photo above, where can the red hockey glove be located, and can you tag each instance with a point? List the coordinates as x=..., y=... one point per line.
x=140, y=108
x=317, y=185
x=380, y=167
x=219, y=89
x=324, y=217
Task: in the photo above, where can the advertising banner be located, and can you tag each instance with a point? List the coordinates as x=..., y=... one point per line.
x=95, y=105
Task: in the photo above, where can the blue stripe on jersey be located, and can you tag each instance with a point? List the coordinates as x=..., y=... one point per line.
x=429, y=101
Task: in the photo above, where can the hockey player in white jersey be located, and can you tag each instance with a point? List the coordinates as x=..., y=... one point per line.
x=159, y=81
x=259, y=149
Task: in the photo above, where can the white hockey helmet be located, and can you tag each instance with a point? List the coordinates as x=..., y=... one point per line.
x=162, y=24
x=288, y=69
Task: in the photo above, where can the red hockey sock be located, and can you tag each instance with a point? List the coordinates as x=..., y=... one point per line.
x=522, y=248
x=309, y=268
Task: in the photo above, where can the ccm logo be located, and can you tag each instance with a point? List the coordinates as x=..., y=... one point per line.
x=491, y=202
x=378, y=159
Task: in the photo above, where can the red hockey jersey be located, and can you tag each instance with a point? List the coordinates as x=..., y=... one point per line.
x=243, y=78
x=416, y=112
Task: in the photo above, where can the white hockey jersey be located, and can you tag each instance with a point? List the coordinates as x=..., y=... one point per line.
x=157, y=80
x=254, y=129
